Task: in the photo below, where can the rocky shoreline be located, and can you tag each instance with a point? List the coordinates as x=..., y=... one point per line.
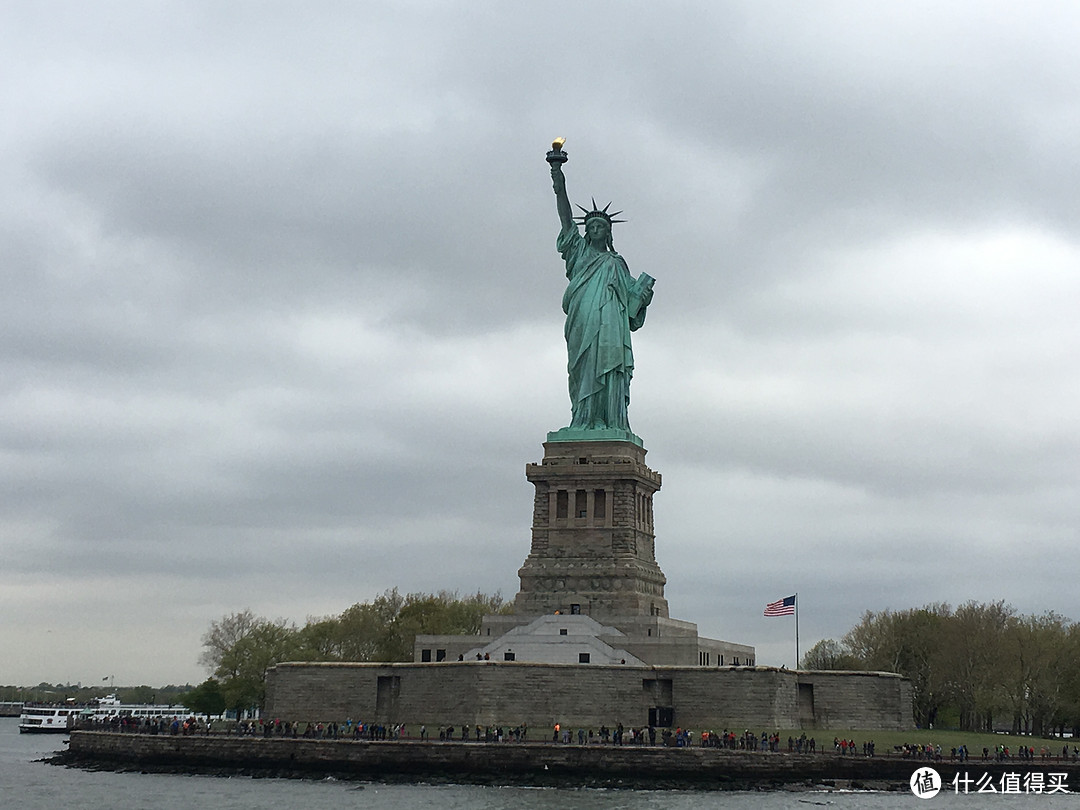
x=533, y=764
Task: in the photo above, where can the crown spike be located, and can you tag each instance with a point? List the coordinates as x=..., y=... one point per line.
x=597, y=212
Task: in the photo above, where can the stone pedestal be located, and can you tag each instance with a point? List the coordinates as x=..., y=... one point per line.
x=592, y=536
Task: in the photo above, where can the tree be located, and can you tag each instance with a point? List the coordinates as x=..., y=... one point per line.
x=365, y=628
x=972, y=655
x=242, y=648
x=976, y=664
x=1037, y=666
x=386, y=628
x=224, y=634
x=320, y=640
x=909, y=642
x=436, y=614
x=206, y=698
x=830, y=654
x=1070, y=692
x=137, y=694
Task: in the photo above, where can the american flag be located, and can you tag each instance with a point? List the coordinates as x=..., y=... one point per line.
x=782, y=607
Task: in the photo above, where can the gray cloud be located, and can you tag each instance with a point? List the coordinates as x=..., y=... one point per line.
x=281, y=317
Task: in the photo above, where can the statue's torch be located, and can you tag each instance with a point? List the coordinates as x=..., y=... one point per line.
x=557, y=155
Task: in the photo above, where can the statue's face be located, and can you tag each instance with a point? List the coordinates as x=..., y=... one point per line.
x=597, y=230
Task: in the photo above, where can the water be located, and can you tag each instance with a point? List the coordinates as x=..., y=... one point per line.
x=29, y=785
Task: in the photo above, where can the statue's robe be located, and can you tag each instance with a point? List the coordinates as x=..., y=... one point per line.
x=603, y=305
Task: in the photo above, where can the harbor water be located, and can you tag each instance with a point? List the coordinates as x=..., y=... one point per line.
x=26, y=783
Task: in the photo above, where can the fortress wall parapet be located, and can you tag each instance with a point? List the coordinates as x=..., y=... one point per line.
x=539, y=695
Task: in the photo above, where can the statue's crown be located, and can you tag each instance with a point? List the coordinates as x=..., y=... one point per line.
x=599, y=212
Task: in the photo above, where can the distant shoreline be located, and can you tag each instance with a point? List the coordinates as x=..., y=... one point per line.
x=534, y=764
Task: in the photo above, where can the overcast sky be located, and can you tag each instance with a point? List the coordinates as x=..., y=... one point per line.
x=281, y=318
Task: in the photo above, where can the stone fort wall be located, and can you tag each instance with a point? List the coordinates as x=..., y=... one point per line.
x=540, y=695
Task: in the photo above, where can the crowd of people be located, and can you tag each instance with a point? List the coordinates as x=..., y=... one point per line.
x=846, y=747
x=178, y=725
x=322, y=731
x=617, y=734
x=999, y=753
x=565, y=735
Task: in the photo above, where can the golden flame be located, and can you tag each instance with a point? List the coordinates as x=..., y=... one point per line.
x=556, y=144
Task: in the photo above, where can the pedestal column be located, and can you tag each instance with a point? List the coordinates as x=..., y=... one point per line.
x=593, y=546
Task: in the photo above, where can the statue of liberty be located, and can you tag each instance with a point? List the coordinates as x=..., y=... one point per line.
x=603, y=305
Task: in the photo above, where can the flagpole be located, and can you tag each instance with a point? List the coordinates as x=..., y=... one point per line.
x=796, y=629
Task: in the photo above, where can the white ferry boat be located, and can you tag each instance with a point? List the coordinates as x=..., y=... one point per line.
x=46, y=719
x=110, y=706
x=61, y=718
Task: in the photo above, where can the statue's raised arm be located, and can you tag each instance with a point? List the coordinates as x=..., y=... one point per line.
x=557, y=157
x=603, y=305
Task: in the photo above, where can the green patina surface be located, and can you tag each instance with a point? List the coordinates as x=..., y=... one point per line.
x=570, y=434
x=603, y=303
